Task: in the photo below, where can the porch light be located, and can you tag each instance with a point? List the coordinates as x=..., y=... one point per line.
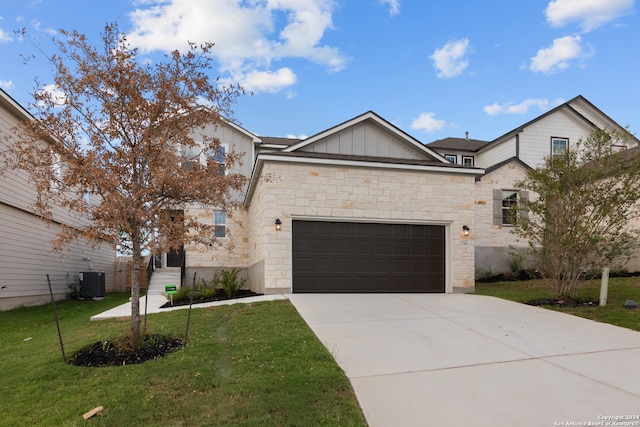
x=465, y=231
x=278, y=224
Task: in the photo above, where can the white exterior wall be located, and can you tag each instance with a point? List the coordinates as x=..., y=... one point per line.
x=535, y=140
x=498, y=153
x=360, y=195
x=26, y=255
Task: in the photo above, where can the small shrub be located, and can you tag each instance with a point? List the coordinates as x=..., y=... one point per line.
x=230, y=283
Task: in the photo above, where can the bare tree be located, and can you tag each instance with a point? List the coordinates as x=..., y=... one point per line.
x=117, y=129
x=579, y=217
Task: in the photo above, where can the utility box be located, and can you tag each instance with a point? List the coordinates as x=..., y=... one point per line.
x=92, y=284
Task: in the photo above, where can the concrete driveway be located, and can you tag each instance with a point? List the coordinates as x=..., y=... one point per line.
x=468, y=360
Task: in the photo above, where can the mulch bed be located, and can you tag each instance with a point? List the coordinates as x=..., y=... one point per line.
x=220, y=295
x=119, y=352
x=563, y=302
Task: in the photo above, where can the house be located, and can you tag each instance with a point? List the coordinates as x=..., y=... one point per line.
x=359, y=207
x=26, y=255
x=506, y=160
x=365, y=207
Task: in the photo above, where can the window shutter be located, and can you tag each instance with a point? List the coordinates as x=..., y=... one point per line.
x=497, y=207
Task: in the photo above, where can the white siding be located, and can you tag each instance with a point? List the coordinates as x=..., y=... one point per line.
x=535, y=140
x=497, y=153
x=26, y=255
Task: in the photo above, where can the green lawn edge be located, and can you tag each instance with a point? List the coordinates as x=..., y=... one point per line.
x=253, y=364
x=620, y=290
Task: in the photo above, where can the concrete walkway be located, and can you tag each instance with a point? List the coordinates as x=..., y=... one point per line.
x=156, y=301
x=467, y=360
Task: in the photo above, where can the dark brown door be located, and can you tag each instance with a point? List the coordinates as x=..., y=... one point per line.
x=368, y=257
x=175, y=257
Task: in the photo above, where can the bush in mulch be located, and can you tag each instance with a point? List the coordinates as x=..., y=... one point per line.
x=119, y=352
x=219, y=295
x=563, y=302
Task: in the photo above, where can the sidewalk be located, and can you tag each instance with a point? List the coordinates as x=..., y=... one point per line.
x=155, y=301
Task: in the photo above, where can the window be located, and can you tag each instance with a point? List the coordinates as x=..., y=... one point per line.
x=220, y=224
x=192, y=155
x=452, y=158
x=467, y=161
x=509, y=205
x=219, y=157
x=559, y=145
x=506, y=205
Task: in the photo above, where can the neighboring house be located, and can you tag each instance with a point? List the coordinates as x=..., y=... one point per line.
x=506, y=160
x=26, y=255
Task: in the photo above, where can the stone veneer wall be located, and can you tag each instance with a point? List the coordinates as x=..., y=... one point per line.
x=228, y=253
x=492, y=242
x=298, y=191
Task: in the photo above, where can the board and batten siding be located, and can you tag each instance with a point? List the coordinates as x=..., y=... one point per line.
x=365, y=139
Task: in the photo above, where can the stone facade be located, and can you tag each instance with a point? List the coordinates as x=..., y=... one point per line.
x=359, y=194
x=495, y=243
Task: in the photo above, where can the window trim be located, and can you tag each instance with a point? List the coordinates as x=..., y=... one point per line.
x=468, y=158
x=498, y=209
x=451, y=157
x=225, y=150
x=559, y=138
x=216, y=225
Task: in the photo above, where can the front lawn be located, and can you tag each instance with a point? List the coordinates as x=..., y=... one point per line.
x=246, y=364
x=621, y=289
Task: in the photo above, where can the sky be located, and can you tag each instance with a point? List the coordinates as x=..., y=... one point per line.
x=435, y=69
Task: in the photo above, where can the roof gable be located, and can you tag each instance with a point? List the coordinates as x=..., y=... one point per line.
x=578, y=107
x=366, y=135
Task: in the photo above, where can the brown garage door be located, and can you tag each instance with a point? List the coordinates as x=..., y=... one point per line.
x=367, y=257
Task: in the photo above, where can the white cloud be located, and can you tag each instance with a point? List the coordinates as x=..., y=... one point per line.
x=521, y=108
x=394, y=6
x=559, y=55
x=450, y=60
x=55, y=94
x=590, y=14
x=267, y=81
x=428, y=122
x=6, y=84
x=248, y=36
x=4, y=37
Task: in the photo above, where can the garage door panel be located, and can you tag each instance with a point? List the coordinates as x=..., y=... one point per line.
x=367, y=257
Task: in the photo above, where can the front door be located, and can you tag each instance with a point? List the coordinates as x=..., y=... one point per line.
x=175, y=257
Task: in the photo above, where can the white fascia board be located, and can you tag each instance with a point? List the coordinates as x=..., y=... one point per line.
x=357, y=163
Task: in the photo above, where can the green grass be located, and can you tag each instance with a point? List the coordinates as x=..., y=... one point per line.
x=246, y=365
x=621, y=289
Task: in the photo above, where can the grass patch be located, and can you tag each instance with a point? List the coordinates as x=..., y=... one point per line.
x=246, y=365
x=621, y=289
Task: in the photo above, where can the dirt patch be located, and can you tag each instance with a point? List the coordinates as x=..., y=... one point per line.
x=120, y=352
x=563, y=302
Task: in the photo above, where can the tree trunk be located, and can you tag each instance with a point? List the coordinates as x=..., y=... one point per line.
x=135, y=294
